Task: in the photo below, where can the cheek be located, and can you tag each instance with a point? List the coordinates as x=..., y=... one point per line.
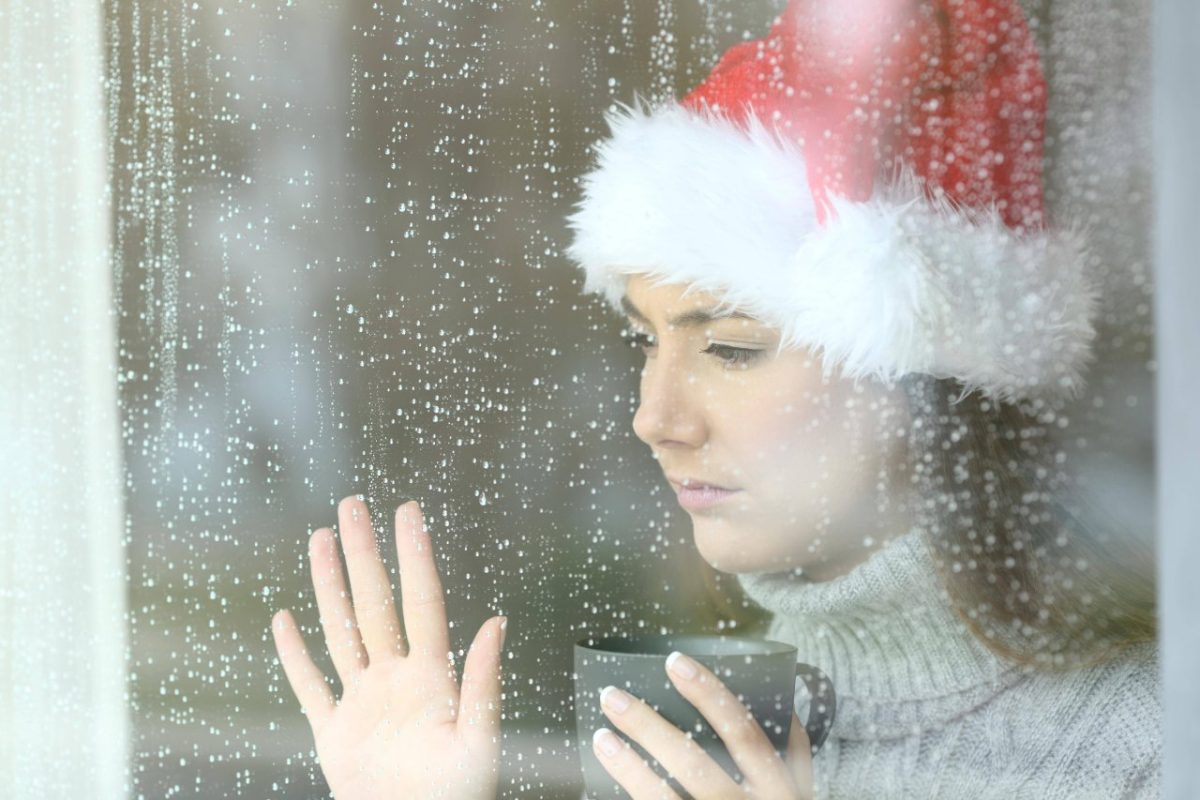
x=781, y=437
x=798, y=450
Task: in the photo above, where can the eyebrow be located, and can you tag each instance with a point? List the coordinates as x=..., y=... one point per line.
x=688, y=319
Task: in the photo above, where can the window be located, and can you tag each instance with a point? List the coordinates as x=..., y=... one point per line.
x=290, y=252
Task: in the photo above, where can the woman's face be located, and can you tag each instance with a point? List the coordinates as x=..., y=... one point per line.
x=719, y=405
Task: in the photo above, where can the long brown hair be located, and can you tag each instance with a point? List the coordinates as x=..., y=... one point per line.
x=1005, y=524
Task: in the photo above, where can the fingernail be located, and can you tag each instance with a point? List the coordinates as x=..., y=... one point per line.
x=503, y=630
x=614, y=698
x=608, y=741
x=681, y=665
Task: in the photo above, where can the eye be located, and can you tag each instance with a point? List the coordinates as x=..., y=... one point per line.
x=637, y=339
x=734, y=356
x=727, y=354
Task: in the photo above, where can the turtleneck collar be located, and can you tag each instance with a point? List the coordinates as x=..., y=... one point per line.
x=900, y=657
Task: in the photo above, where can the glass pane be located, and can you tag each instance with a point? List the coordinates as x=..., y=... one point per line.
x=341, y=260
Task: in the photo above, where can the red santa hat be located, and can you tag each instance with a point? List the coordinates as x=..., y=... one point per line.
x=868, y=178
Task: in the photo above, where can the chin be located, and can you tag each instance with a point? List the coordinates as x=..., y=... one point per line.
x=724, y=546
x=746, y=547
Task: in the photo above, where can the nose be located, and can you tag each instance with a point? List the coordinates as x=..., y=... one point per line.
x=669, y=412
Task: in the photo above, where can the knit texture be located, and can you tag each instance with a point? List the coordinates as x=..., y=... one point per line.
x=925, y=710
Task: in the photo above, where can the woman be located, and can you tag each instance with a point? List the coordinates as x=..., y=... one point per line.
x=859, y=333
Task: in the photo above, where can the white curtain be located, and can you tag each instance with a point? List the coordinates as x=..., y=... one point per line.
x=63, y=719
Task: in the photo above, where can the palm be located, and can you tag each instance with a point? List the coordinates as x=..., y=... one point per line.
x=371, y=743
x=402, y=728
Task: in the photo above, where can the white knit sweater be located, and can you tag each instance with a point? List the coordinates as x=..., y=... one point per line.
x=926, y=711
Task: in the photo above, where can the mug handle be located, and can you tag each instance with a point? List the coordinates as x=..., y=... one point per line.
x=822, y=708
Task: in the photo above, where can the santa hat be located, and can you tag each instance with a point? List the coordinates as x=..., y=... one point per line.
x=867, y=178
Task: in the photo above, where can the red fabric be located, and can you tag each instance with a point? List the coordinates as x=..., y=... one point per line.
x=952, y=87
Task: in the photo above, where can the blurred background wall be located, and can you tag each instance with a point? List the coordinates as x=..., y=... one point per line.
x=337, y=233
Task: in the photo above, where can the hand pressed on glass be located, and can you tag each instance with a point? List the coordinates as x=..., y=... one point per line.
x=401, y=728
x=765, y=774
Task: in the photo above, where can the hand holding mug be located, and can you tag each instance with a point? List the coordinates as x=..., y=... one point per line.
x=765, y=773
x=712, y=717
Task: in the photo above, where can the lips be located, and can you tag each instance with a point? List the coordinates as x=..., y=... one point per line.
x=697, y=496
x=684, y=482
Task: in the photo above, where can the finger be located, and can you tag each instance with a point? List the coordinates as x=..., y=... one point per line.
x=479, y=704
x=420, y=587
x=748, y=745
x=374, y=603
x=682, y=757
x=307, y=681
x=628, y=769
x=799, y=758
x=333, y=605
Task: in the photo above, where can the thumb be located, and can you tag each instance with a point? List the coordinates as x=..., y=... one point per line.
x=799, y=758
x=479, y=701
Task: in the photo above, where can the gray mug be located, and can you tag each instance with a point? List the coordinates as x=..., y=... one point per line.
x=762, y=674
